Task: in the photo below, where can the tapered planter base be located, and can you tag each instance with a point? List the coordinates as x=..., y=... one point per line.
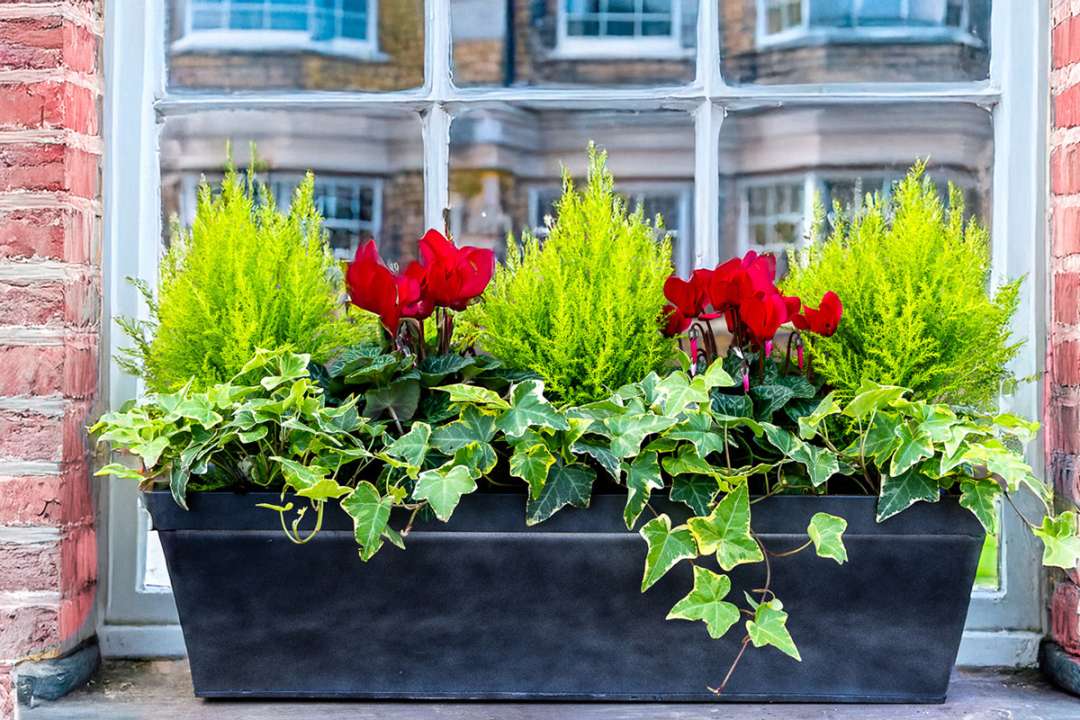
x=485, y=608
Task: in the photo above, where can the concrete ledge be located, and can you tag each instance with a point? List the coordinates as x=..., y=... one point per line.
x=53, y=679
x=1059, y=666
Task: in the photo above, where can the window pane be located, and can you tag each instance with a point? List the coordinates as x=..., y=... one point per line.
x=770, y=42
x=506, y=168
x=295, y=45
x=771, y=158
x=368, y=168
x=573, y=42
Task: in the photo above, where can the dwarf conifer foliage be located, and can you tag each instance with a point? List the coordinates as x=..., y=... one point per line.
x=244, y=276
x=914, y=276
x=583, y=308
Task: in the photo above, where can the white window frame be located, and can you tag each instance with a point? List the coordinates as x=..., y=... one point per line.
x=806, y=34
x=271, y=41
x=597, y=48
x=1004, y=625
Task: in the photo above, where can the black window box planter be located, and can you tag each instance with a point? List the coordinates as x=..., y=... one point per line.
x=487, y=608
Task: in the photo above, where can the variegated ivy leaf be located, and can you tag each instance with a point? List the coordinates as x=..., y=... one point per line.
x=411, y=448
x=1010, y=466
x=566, y=485
x=880, y=439
x=902, y=491
x=706, y=603
x=677, y=391
x=687, y=461
x=121, y=471
x=370, y=513
x=872, y=397
x=1024, y=429
x=528, y=408
x=980, y=497
x=915, y=445
x=310, y=481
x=667, y=546
x=642, y=477
x=827, y=533
x=628, y=431
x=474, y=425
x=820, y=463
x=601, y=453
x=697, y=428
x=697, y=492
x=443, y=488
x=769, y=627
x=478, y=457
x=809, y=425
x=465, y=394
x=726, y=531
x=532, y=463
x=716, y=376
x=1061, y=544
x=150, y=451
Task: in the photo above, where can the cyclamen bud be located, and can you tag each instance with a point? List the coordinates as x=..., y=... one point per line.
x=746, y=381
x=768, y=348
x=799, y=352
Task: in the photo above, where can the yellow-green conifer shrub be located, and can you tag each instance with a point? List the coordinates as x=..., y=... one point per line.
x=244, y=276
x=581, y=308
x=914, y=279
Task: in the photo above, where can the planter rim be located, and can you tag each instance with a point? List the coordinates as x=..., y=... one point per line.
x=493, y=513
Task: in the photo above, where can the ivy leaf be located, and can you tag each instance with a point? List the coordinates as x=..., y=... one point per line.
x=695, y=491
x=675, y=392
x=915, y=445
x=1061, y=546
x=726, y=531
x=871, y=397
x=603, y=456
x=528, y=408
x=474, y=425
x=121, y=471
x=478, y=457
x=150, y=451
x=820, y=463
x=642, y=477
x=769, y=627
x=902, y=491
x=412, y=447
x=716, y=376
x=532, y=463
x=628, y=431
x=880, y=439
x=688, y=462
x=465, y=394
x=667, y=546
x=706, y=603
x=370, y=514
x=566, y=485
x=827, y=533
x=443, y=488
x=808, y=426
x=697, y=429
x=980, y=497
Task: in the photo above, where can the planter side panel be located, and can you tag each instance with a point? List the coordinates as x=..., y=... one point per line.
x=516, y=615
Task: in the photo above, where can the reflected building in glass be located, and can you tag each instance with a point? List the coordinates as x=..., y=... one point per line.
x=506, y=159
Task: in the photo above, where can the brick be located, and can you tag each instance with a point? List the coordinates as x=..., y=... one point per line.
x=31, y=370
x=78, y=562
x=30, y=436
x=1067, y=298
x=50, y=500
x=1065, y=41
x=1067, y=108
x=1067, y=362
x=76, y=621
x=28, y=630
x=1065, y=232
x=33, y=303
x=7, y=692
x=30, y=566
x=47, y=167
x=43, y=43
x=48, y=234
x=80, y=376
x=1063, y=428
x=1065, y=617
x=48, y=105
x=1065, y=170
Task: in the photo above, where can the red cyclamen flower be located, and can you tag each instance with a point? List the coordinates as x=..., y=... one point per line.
x=373, y=287
x=453, y=276
x=825, y=319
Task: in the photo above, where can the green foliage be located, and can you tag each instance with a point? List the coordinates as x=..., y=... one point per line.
x=913, y=278
x=582, y=309
x=244, y=276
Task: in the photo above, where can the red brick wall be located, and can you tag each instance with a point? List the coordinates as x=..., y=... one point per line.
x=1063, y=360
x=50, y=299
